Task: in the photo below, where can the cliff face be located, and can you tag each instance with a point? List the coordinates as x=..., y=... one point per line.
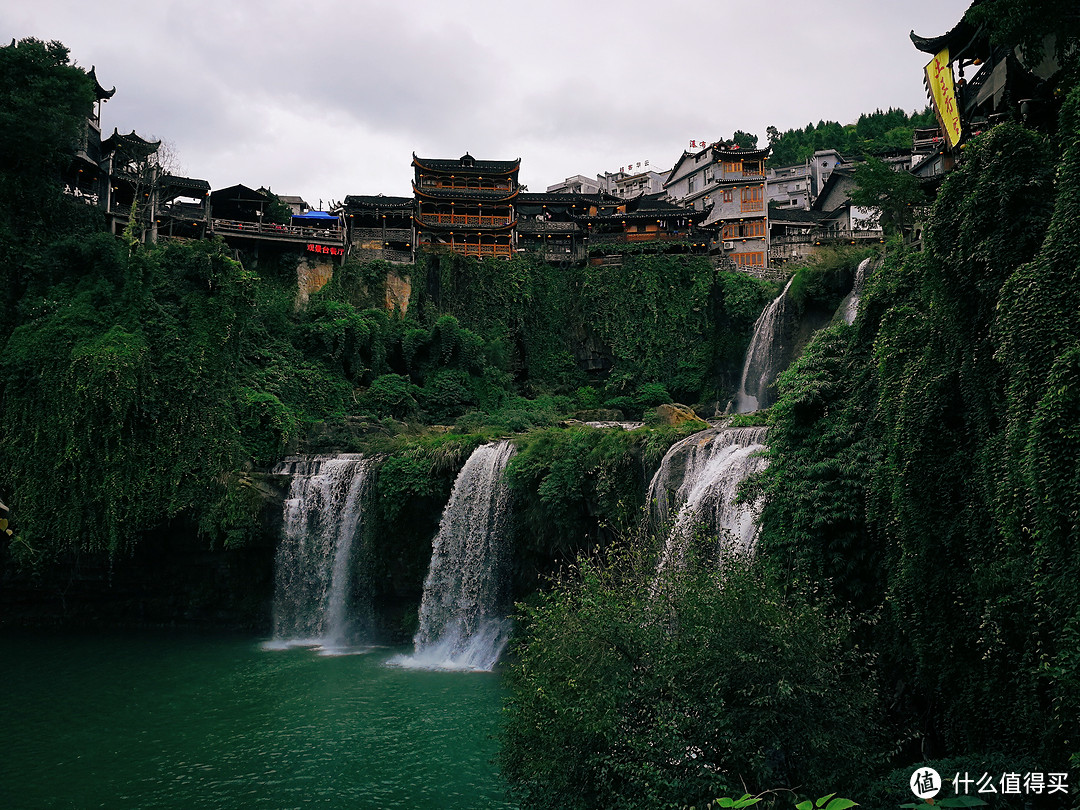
x=924, y=458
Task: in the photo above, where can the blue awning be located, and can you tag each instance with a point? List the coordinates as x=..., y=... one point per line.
x=317, y=216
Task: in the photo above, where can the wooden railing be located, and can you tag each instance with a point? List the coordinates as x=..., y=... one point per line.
x=184, y=211
x=264, y=230
x=389, y=234
x=469, y=249
x=462, y=185
x=545, y=226
x=474, y=220
x=830, y=235
x=649, y=236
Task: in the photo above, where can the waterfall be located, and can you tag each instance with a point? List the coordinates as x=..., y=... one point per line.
x=768, y=354
x=462, y=625
x=697, y=484
x=323, y=516
x=849, y=307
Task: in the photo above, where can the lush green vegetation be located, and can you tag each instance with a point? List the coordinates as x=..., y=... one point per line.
x=925, y=464
x=916, y=594
x=920, y=530
x=143, y=382
x=632, y=692
x=873, y=133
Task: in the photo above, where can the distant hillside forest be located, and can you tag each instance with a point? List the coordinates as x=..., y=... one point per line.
x=872, y=134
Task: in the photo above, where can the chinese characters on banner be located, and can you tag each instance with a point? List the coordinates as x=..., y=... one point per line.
x=325, y=249
x=629, y=167
x=939, y=79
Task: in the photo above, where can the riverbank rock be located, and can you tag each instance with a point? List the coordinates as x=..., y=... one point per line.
x=599, y=415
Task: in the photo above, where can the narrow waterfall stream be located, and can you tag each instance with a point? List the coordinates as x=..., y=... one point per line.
x=697, y=484
x=849, y=307
x=462, y=621
x=323, y=518
x=768, y=354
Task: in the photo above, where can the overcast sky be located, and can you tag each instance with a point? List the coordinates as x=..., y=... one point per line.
x=330, y=98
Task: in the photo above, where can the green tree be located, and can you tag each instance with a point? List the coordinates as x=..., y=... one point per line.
x=632, y=693
x=896, y=194
x=744, y=140
x=44, y=102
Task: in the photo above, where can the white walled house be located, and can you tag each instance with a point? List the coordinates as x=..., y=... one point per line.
x=729, y=183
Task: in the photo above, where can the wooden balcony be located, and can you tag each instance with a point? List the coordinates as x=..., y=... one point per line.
x=829, y=236
x=466, y=220
x=544, y=226
x=386, y=234
x=187, y=211
x=447, y=184
x=651, y=236
x=260, y=231
x=470, y=249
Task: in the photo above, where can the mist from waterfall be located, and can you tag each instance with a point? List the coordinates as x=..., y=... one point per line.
x=463, y=625
x=318, y=553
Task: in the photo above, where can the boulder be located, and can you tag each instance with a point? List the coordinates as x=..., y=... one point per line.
x=675, y=414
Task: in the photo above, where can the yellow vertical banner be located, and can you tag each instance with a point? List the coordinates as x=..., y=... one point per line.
x=939, y=80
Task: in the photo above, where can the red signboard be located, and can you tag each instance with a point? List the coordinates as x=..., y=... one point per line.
x=325, y=249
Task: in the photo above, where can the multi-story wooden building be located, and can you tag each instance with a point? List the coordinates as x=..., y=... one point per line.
x=547, y=224
x=466, y=205
x=610, y=221
x=380, y=227
x=729, y=183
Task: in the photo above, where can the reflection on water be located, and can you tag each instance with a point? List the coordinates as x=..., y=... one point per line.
x=184, y=721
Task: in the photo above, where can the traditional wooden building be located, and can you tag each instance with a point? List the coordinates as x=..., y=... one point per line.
x=132, y=172
x=547, y=224
x=238, y=217
x=123, y=173
x=466, y=205
x=728, y=183
x=974, y=82
x=610, y=221
x=183, y=207
x=85, y=178
x=380, y=227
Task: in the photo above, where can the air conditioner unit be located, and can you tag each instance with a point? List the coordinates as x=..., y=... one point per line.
x=729, y=245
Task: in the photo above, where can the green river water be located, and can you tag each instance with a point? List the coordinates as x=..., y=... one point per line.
x=198, y=721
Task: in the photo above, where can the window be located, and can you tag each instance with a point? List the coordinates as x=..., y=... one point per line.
x=690, y=186
x=727, y=195
x=752, y=198
x=755, y=229
x=749, y=259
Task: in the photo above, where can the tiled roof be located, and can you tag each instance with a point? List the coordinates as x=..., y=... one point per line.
x=131, y=142
x=467, y=164
x=963, y=39
x=487, y=195
x=377, y=201
x=183, y=182
x=799, y=216
x=100, y=93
